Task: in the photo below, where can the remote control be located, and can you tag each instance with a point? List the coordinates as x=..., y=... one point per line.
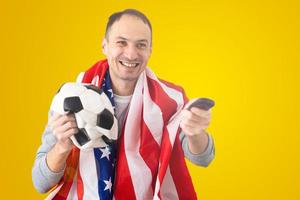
x=202, y=103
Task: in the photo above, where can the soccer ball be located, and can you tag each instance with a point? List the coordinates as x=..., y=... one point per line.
x=94, y=113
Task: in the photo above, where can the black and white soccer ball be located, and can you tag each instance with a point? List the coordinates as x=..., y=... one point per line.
x=94, y=113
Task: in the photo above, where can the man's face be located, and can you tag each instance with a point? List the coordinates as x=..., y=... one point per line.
x=127, y=48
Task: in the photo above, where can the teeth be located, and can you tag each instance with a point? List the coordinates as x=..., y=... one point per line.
x=129, y=64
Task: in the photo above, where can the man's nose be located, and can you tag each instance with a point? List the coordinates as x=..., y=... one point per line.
x=131, y=52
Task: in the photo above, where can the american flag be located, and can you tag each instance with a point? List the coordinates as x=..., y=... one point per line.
x=106, y=157
x=150, y=162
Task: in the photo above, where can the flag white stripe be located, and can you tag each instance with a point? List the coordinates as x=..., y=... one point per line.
x=95, y=81
x=157, y=186
x=178, y=98
x=80, y=77
x=88, y=172
x=53, y=193
x=72, y=193
x=168, y=188
x=172, y=93
x=140, y=173
x=154, y=124
x=172, y=127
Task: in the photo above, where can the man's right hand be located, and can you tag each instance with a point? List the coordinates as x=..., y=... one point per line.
x=63, y=127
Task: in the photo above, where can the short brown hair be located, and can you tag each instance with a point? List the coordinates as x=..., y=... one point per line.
x=117, y=16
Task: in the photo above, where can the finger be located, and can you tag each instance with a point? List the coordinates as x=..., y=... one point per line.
x=193, y=129
x=188, y=115
x=71, y=132
x=54, y=117
x=71, y=115
x=188, y=129
x=200, y=112
x=194, y=120
x=62, y=136
x=62, y=120
x=201, y=123
x=65, y=127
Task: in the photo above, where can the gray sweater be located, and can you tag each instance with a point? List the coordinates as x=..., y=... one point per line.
x=44, y=179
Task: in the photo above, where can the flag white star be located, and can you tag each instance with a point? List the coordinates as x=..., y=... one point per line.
x=108, y=185
x=105, y=153
x=111, y=93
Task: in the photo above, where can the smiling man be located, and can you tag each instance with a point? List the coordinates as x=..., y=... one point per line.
x=155, y=127
x=127, y=46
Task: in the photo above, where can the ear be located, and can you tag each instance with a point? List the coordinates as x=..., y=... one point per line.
x=104, y=46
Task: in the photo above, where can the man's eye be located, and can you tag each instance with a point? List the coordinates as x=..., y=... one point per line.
x=141, y=46
x=121, y=43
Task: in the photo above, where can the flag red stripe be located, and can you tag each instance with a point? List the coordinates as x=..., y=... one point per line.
x=59, y=197
x=166, y=104
x=69, y=174
x=149, y=150
x=123, y=185
x=168, y=107
x=165, y=154
x=175, y=87
x=80, y=188
x=178, y=168
x=98, y=68
x=181, y=178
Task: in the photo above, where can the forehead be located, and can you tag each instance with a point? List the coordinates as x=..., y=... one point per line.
x=131, y=28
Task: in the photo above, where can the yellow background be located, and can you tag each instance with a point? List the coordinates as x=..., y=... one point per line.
x=242, y=54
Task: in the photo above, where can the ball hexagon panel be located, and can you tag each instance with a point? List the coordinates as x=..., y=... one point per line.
x=82, y=137
x=72, y=104
x=105, y=119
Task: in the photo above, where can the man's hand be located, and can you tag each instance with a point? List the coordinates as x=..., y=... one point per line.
x=63, y=127
x=193, y=124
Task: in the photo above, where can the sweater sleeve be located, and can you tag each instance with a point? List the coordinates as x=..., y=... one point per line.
x=203, y=159
x=43, y=178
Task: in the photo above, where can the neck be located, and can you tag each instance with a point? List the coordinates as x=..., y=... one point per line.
x=123, y=88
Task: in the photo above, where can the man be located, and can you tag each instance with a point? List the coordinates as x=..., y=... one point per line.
x=142, y=172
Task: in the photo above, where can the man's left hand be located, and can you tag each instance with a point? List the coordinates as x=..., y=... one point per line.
x=193, y=123
x=195, y=120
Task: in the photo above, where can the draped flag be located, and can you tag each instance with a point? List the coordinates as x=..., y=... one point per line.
x=149, y=162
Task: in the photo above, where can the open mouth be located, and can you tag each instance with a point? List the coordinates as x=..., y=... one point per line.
x=129, y=64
